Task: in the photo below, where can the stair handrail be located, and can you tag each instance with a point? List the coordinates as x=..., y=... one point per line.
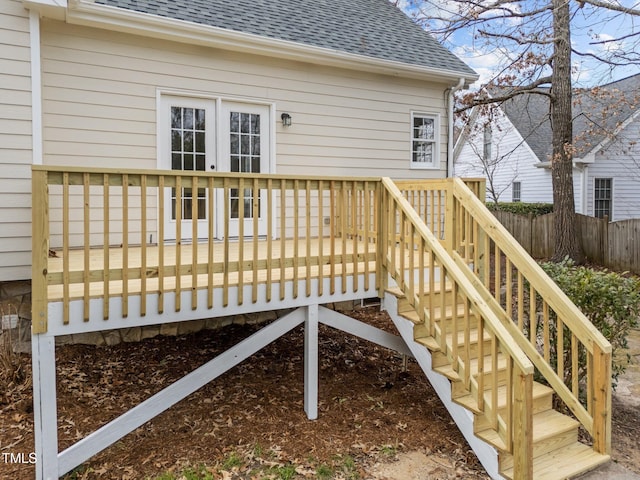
x=596, y=417
x=519, y=441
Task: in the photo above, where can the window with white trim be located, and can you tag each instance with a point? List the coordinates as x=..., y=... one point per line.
x=425, y=130
x=516, y=191
x=602, y=197
x=486, y=143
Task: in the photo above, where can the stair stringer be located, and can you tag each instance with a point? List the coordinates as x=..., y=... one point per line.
x=487, y=455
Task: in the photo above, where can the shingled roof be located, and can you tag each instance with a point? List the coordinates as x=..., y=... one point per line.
x=597, y=113
x=371, y=28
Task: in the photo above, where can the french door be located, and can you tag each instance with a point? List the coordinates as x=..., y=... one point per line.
x=213, y=135
x=245, y=133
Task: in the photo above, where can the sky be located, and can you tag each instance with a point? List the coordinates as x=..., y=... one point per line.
x=589, y=27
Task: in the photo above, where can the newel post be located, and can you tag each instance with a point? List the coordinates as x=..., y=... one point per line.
x=601, y=400
x=382, y=206
x=522, y=425
x=39, y=250
x=449, y=217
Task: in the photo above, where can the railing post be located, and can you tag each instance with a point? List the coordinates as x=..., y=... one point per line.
x=601, y=400
x=449, y=217
x=40, y=250
x=382, y=239
x=522, y=425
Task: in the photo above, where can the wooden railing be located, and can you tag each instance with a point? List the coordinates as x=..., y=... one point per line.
x=567, y=350
x=413, y=249
x=308, y=227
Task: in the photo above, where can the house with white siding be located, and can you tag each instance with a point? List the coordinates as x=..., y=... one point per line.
x=512, y=150
x=95, y=83
x=166, y=162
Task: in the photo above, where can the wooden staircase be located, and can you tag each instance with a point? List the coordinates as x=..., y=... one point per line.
x=557, y=453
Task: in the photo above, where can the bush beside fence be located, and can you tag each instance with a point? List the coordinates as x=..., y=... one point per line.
x=615, y=245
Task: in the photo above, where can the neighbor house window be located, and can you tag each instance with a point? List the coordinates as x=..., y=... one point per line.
x=516, y=192
x=602, y=197
x=424, y=146
x=486, y=145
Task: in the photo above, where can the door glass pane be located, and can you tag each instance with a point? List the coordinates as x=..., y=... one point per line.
x=244, y=143
x=188, y=151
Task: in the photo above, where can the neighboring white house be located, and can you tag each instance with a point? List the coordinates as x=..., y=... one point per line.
x=512, y=150
x=95, y=83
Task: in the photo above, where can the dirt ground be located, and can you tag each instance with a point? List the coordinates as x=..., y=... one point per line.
x=250, y=422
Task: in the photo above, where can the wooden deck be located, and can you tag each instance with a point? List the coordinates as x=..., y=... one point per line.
x=230, y=263
x=301, y=242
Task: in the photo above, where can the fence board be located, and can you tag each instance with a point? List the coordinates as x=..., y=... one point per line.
x=615, y=245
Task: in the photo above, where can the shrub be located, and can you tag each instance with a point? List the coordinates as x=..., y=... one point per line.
x=609, y=300
x=522, y=208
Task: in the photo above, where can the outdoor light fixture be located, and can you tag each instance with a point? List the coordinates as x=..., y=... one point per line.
x=286, y=120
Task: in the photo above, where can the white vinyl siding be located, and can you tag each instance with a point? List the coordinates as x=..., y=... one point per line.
x=511, y=160
x=620, y=160
x=15, y=142
x=100, y=100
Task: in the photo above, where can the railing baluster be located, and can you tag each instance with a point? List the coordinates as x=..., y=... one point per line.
x=283, y=234
x=354, y=241
x=256, y=216
x=226, y=220
x=65, y=248
x=307, y=261
x=344, y=229
x=143, y=245
x=194, y=241
x=320, y=238
x=296, y=236
x=241, y=214
x=178, y=246
x=367, y=232
x=161, y=216
x=269, y=212
x=210, y=230
x=86, y=230
x=125, y=245
x=105, y=249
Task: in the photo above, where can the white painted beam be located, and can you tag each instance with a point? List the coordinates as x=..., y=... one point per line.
x=161, y=401
x=363, y=330
x=45, y=417
x=152, y=317
x=311, y=363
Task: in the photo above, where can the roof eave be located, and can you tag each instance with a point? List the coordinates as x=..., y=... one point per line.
x=87, y=13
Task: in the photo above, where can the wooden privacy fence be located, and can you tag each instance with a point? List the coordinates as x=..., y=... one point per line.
x=614, y=245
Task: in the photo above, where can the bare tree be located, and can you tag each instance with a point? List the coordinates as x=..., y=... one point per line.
x=534, y=38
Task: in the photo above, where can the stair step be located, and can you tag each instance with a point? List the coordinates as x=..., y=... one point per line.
x=551, y=430
x=412, y=315
x=542, y=399
x=448, y=371
x=564, y=463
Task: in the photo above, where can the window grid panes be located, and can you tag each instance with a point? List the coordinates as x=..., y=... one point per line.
x=602, y=197
x=188, y=152
x=423, y=145
x=244, y=138
x=487, y=138
x=516, y=192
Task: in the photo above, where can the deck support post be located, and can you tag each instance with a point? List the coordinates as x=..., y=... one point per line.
x=45, y=417
x=311, y=363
